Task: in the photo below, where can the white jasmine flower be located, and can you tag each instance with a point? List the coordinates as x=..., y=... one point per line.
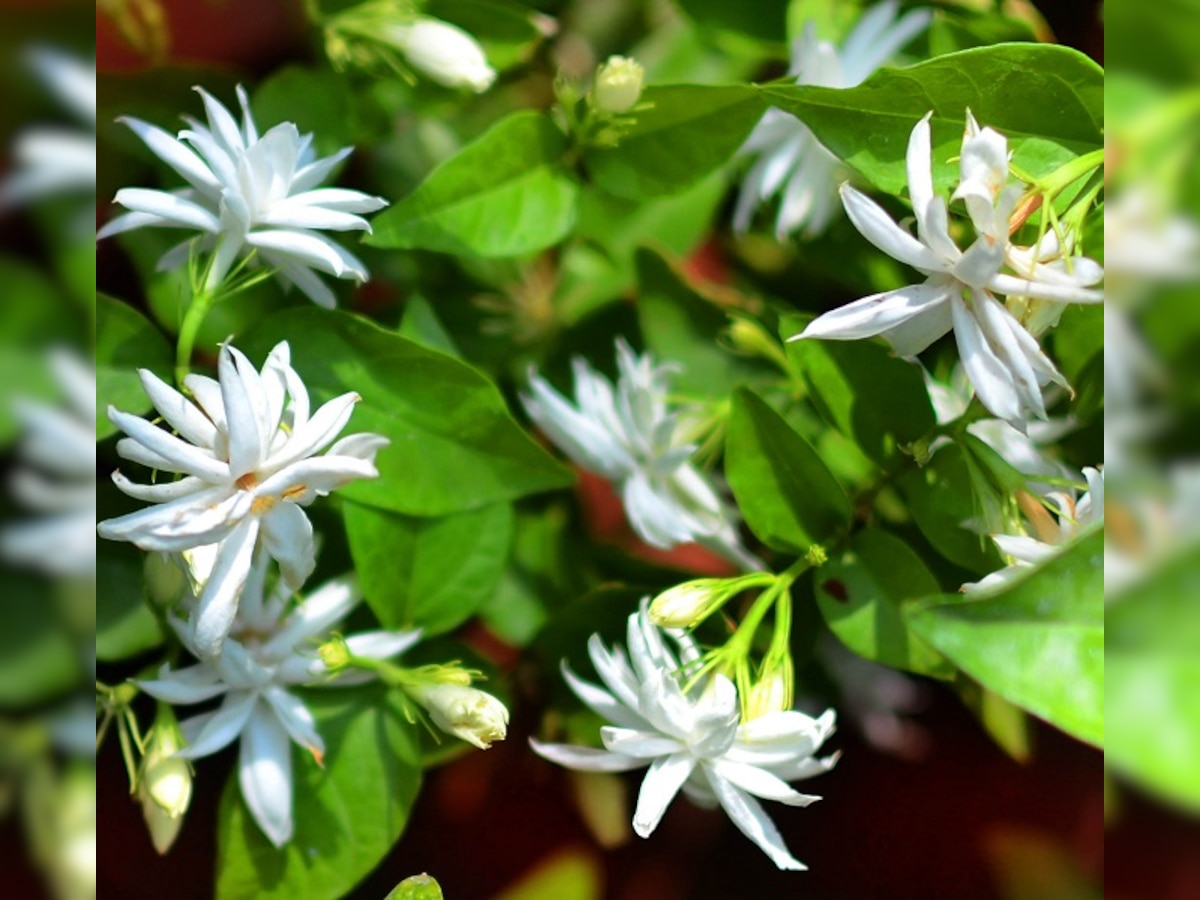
x=790, y=158
x=57, y=160
x=61, y=442
x=630, y=437
x=1049, y=534
x=468, y=713
x=1003, y=361
x=618, y=84
x=270, y=649
x=692, y=739
x=443, y=53
x=247, y=447
x=249, y=193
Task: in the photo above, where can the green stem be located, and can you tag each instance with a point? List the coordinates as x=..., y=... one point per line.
x=193, y=318
x=1068, y=174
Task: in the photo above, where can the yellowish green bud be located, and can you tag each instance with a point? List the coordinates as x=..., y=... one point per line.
x=442, y=52
x=767, y=695
x=618, y=85
x=334, y=653
x=687, y=604
x=165, y=784
x=165, y=579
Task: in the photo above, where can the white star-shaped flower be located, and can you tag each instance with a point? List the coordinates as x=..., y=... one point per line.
x=61, y=442
x=791, y=160
x=1049, y=534
x=247, y=447
x=692, y=738
x=1002, y=359
x=629, y=436
x=250, y=193
x=271, y=648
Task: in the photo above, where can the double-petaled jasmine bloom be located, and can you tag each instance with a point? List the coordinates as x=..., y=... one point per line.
x=791, y=161
x=1048, y=533
x=691, y=734
x=629, y=436
x=59, y=443
x=272, y=648
x=249, y=193
x=247, y=446
x=1002, y=359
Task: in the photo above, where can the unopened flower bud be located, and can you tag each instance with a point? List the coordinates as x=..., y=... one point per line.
x=334, y=653
x=768, y=695
x=684, y=605
x=465, y=712
x=165, y=785
x=618, y=85
x=443, y=53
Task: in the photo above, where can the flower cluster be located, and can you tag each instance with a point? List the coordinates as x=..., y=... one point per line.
x=270, y=649
x=1002, y=359
x=688, y=729
x=249, y=193
x=791, y=160
x=247, y=447
x=628, y=435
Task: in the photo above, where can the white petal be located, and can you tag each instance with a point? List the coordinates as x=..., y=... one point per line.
x=314, y=173
x=203, y=517
x=638, y=742
x=878, y=313
x=602, y=702
x=323, y=609
x=312, y=250
x=760, y=782
x=312, y=436
x=613, y=669
x=224, y=126
x=265, y=775
x=289, y=214
x=180, y=413
x=752, y=820
x=218, y=603
x=182, y=456
x=222, y=727
x=1041, y=290
x=585, y=759
x=191, y=685
x=245, y=407
x=162, y=492
x=171, y=209
x=296, y=720
x=993, y=383
x=658, y=520
x=318, y=476
x=173, y=153
x=662, y=782
x=585, y=441
x=877, y=227
x=302, y=277
x=1025, y=549
x=382, y=644
x=288, y=537
x=341, y=199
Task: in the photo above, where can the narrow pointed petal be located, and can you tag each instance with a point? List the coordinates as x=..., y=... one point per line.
x=382, y=644
x=265, y=774
x=171, y=209
x=301, y=215
x=602, y=702
x=657, y=520
x=586, y=442
x=752, y=820
x=760, y=783
x=296, y=720
x=288, y=538
x=638, y=742
x=311, y=249
x=323, y=609
x=245, y=408
x=183, y=456
x=662, y=782
x=314, y=173
x=224, y=126
x=203, y=517
x=878, y=313
x=993, y=383
x=181, y=414
x=191, y=685
x=341, y=199
x=1012, y=286
x=314, y=435
x=585, y=759
x=173, y=152
x=222, y=728
x=315, y=477
x=877, y=227
x=218, y=603
x=303, y=278
x=159, y=493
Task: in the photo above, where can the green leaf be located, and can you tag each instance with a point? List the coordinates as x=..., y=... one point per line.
x=347, y=815
x=765, y=19
x=505, y=194
x=687, y=132
x=682, y=327
x=1048, y=100
x=125, y=626
x=787, y=494
x=416, y=887
x=432, y=574
x=454, y=445
x=125, y=342
x=1151, y=673
x=39, y=659
x=320, y=102
x=862, y=596
x=1039, y=643
x=868, y=394
x=941, y=497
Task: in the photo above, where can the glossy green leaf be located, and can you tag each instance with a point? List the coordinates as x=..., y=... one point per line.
x=347, y=815
x=1039, y=643
x=867, y=393
x=454, y=445
x=505, y=194
x=862, y=595
x=784, y=490
x=431, y=574
x=942, y=501
x=321, y=102
x=1048, y=100
x=125, y=342
x=125, y=626
x=684, y=328
x=687, y=132
x=1151, y=679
